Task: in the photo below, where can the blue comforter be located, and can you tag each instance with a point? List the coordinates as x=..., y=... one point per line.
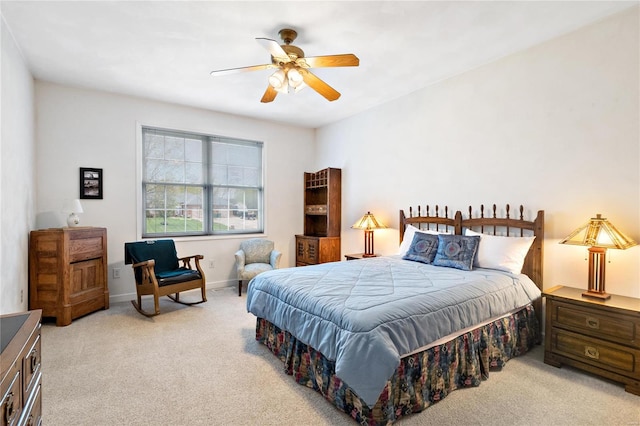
x=366, y=314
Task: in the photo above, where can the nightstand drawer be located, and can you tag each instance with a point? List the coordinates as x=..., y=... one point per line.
x=606, y=355
x=591, y=322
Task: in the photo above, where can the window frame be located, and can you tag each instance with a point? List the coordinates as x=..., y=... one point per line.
x=208, y=187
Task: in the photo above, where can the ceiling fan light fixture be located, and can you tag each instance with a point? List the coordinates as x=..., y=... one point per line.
x=295, y=78
x=278, y=80
x=284, y=89
x=292, y=66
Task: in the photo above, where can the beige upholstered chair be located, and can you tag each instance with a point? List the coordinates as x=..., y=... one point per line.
x=255, y=256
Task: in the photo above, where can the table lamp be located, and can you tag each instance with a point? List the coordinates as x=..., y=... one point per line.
x=72, y=207
x=599, y=235
x=368, y=223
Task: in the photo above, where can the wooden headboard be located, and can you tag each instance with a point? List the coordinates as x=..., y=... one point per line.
x=443, y=220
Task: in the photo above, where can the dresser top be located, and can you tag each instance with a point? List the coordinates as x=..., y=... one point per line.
x=9, y=326
x=575, y=294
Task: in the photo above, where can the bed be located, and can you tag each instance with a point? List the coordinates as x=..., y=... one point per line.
x=384, y=337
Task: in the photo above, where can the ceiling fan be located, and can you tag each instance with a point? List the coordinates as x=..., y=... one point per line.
x=293, y=68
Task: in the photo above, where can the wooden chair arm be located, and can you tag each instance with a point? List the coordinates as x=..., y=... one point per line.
x=148, y=272
x=145, y=264
x=195, y=256
x=186, y=261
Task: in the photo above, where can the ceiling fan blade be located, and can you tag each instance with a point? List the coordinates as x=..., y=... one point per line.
x=269, y=94
x=218, y=73
x=318, y=85
x=346, y=60
x=274, y=49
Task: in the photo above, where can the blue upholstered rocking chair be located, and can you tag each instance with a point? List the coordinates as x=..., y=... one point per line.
x=159, y=272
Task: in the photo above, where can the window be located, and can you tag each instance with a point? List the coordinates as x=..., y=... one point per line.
x=195, y=184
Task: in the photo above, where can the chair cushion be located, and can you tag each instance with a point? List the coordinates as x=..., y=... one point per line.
x=257, y=250
x=177, y=276
x=253, y=269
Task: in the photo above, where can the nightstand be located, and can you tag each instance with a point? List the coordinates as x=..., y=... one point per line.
x=598, y=336
x=355, y=256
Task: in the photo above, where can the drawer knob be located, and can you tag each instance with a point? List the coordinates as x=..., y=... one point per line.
x=34, y=361
x=591, y=352
x=9, y=412
x=593, y=323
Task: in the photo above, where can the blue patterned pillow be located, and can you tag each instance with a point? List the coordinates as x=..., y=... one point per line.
x=456, y=251
x=423, y=248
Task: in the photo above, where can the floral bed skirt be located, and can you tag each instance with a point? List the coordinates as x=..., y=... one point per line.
x=421, y=379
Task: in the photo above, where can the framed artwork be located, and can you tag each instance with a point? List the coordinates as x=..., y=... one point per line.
x=90, y=183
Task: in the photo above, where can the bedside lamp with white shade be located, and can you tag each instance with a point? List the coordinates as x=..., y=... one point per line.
x=72, y=207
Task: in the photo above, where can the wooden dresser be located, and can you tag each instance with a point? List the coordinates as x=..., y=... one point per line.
x=68, y=272
x=21, y=378
x=598, y=336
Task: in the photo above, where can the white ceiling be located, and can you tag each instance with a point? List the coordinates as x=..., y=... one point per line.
x=165, y=50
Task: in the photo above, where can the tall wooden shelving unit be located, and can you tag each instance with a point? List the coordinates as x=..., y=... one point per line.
x=322, y=213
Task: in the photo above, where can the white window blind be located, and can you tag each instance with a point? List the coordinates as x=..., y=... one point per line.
x=194, y=184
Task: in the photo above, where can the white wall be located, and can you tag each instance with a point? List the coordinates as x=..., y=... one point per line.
x=555, y=127
x=85, y=128
x=521, y=130
x=17, y=177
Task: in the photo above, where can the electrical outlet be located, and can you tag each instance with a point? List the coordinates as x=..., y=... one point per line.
x=212, y=264
x=116, y=272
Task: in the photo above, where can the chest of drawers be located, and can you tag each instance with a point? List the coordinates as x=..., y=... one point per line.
x=601, y=337
x=21, y=377
x=68, y=272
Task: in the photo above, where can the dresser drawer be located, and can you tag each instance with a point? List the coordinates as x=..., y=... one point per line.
x=31, y=366
x=11, y=399
x=602, y=354
x=316, y=209
x=32, y=415
x=85, y=248
x=597, y=323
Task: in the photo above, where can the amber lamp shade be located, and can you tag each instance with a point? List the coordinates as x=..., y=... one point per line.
x=368, y=223
x=598, y=234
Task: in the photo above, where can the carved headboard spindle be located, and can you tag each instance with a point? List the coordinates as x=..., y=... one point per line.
x=446, y=214
x=521, y=218
x=507, y=214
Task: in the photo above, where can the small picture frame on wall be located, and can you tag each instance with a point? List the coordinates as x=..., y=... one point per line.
x=90, y=183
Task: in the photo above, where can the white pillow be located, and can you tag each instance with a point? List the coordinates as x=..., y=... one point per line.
x=502, y=253
x=407, y=238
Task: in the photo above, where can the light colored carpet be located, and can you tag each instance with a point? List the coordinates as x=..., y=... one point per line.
x=201, y=365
